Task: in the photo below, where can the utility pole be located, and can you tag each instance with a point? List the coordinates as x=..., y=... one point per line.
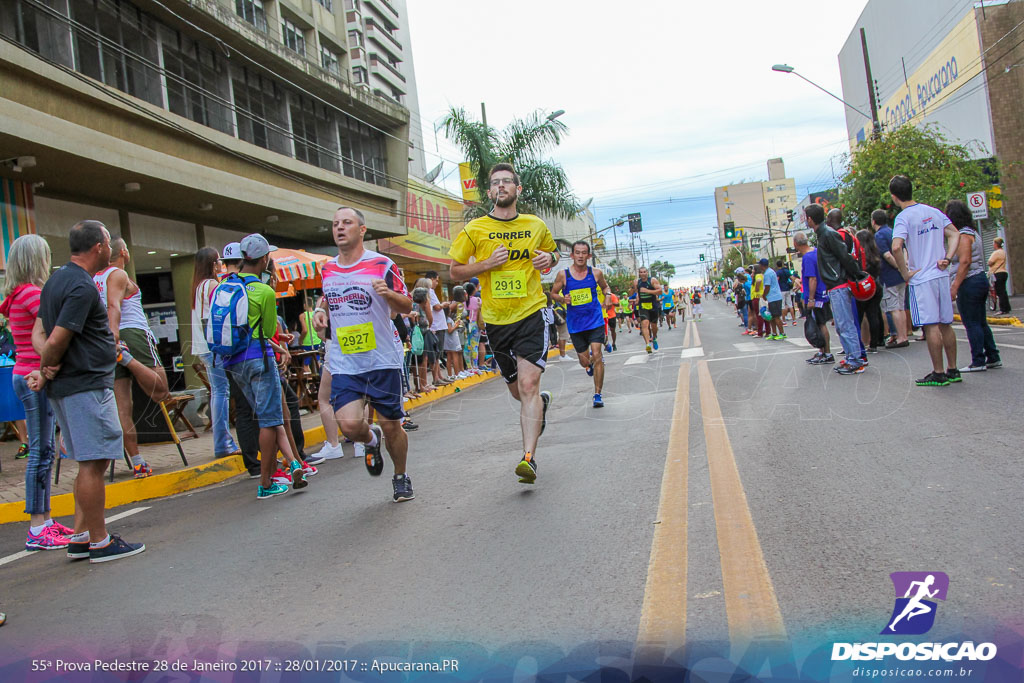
x=876, y=129
x=483, y=114
x=768, y=224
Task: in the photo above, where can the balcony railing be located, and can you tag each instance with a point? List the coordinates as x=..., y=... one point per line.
x=375, y=60
x=373, y=29
x=385, y=4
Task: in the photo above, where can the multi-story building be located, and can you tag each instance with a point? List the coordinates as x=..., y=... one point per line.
x=187, y=123
x=955, y=64
x=381, y=60
x=758, y=211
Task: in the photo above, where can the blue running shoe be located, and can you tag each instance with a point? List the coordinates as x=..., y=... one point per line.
x=655, y=344
x=590, y=370
x=116, y=549
x=403, y=488
x=608, y=347
x=598, y=401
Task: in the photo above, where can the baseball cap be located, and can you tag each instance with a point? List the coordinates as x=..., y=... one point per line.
x=255, y=246
x=763, y=262
x=232, y=252
x=739, y=270
x=475, y=281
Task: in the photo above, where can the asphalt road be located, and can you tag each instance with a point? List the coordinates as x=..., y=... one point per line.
x=841, y=480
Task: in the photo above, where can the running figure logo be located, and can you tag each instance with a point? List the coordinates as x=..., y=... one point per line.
x=914, y=613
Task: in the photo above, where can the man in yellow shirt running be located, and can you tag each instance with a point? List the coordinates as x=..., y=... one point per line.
x=509, y=250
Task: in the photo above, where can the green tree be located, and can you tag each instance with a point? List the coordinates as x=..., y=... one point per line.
x=521, y=143
x=662, y=270
x=939, y=170
x=736, y=258
x=620, y=280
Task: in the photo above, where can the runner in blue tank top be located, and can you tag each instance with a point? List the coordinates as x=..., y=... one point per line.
x=577, y=287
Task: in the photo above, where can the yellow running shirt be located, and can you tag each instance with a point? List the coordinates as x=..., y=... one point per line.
x=757, y=291
x=513, y=291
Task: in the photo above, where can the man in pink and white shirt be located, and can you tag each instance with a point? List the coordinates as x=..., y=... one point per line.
x=364, y=290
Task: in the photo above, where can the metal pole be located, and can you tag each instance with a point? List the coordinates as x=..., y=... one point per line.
x=875, y=128
x=483, y=114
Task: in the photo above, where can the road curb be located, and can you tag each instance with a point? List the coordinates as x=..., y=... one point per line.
x=1009, y=321
x=206, y=474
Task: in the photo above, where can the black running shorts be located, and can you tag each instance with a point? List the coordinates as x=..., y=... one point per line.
x=652, y=314
x=581, y=341
x=527, y=339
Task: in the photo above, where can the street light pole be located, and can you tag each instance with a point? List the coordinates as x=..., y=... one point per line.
x=787, y=69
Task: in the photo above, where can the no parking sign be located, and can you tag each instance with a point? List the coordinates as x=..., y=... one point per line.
x=979, y=204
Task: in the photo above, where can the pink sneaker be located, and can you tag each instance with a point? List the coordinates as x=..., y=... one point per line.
x=61, y=529
x=281, y=477
x=309, y=470
x=47, y=540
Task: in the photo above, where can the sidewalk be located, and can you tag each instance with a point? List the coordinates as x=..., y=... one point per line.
x=170, y=476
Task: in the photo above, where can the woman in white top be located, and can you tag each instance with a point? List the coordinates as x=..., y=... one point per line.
x=204, y=281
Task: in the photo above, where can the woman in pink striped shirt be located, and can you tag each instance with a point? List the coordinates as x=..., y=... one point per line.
x=28, y=266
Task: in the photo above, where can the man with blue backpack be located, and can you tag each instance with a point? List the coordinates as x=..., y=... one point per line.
x=243, y=318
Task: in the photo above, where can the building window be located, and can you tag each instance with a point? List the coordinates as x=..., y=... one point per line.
x=362, y=151
x=360, y=75
x=326, y=4
x=355, y=39
x=292, y=37
x=329, y=61
x=252, y=12
x=197, y=81
x=260, y=111
x=315, y=133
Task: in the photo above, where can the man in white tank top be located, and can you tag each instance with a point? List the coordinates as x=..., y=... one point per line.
x=130, y=326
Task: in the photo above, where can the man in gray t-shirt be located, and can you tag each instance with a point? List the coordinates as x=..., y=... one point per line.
x=77, y=357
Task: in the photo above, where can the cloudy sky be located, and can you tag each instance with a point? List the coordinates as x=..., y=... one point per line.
x=664, y=100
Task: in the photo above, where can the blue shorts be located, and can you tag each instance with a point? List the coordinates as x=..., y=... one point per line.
x=261, y=388
x=381, y=388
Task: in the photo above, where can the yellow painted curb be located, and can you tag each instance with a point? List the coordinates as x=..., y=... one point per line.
x=131, y=491
x=1009, y=321
x=198, y=476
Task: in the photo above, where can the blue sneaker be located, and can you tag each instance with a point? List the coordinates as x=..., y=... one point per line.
x=590, y=370
x=116, y=549
x=403, y=488
x=608, y=347
x=598, y=401
x=655, y=344
x=274, y=489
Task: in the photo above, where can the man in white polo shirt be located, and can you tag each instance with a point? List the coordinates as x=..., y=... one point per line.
x=931, y=241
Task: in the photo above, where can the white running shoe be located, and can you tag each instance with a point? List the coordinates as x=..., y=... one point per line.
x=329, y=452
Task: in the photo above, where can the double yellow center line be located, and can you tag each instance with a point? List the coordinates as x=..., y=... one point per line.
x=752, y=610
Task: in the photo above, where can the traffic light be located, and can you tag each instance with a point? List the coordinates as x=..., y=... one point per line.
x=702, y=257
x=730, y=230
x=789, y=215
x=634, y=222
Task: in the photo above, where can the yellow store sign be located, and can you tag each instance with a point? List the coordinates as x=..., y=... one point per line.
x=433, y=218
x=956, y=60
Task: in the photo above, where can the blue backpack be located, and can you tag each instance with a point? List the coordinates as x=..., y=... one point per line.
x=228, y=332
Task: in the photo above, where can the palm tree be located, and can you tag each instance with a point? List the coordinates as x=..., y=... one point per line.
x=545, y=186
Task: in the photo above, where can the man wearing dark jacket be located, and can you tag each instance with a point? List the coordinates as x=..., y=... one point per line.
x=836, y=268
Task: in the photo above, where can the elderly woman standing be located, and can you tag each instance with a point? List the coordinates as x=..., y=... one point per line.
x=28, y=267
x=970, y=289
